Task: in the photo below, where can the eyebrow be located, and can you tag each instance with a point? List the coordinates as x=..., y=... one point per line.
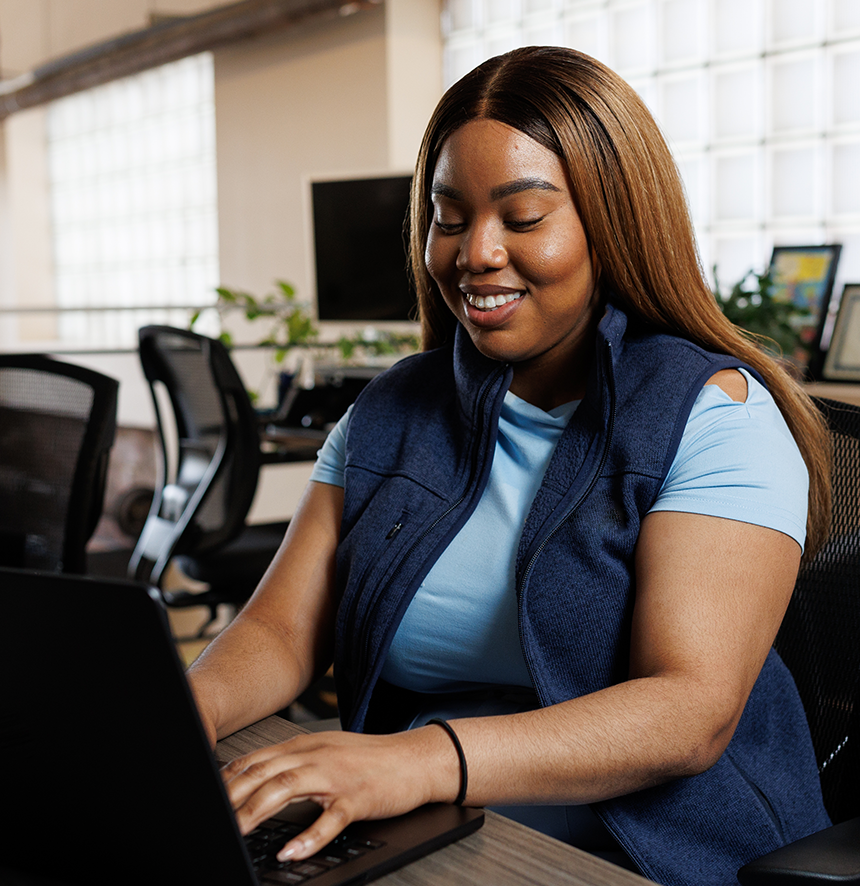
x=500, y=191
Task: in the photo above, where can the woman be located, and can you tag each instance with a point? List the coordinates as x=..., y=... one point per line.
x=571, y=526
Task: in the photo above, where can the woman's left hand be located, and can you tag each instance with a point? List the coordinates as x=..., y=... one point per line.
x=351, y=776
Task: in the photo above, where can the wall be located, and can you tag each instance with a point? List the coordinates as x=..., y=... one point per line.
x=309, y=101
x=348, y=96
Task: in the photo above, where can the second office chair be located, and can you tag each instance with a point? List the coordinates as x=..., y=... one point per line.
x=210, y=448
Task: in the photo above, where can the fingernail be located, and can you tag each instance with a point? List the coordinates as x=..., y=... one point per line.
x=287, y=852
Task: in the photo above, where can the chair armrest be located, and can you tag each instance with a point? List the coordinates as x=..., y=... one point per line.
x=829, y=856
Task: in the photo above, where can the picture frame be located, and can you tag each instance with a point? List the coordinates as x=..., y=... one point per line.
x=804, y=275
x=842, y=361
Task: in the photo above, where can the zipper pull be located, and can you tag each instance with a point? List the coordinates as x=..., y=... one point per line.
x=394, y=530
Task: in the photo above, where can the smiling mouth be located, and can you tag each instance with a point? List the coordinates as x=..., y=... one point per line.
x=491, y=302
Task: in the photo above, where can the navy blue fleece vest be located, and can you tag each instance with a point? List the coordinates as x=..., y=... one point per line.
x=419, y=448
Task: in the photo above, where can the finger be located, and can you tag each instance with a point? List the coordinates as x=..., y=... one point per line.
x=331, y=822
x=239, y=764
x=266, y=789
x=243, y=775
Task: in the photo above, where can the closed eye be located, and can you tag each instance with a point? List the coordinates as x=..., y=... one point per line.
x=448, y=227
x=525, y=224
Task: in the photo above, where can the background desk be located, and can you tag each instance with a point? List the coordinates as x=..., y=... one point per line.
x=501, y=853
x=834, y=390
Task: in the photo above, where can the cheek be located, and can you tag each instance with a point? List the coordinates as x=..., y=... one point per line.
x=562, y=260
x=439, y=258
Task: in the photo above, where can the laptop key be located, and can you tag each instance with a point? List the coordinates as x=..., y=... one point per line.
x=308, y=869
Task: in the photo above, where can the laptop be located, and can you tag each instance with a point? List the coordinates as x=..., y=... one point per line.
x=108, y=776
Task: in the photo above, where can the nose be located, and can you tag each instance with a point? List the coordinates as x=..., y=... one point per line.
x=481, y=249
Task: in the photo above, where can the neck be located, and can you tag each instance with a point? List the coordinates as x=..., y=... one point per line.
x=549, y=386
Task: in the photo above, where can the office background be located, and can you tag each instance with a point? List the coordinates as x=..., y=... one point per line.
x=128, y=202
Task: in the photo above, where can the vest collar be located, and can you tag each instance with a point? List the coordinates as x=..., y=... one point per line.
x=473, y=371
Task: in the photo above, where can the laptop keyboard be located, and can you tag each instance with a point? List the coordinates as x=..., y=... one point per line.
x=266, y=840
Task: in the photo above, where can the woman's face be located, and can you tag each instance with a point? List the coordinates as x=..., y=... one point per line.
x=511, y=259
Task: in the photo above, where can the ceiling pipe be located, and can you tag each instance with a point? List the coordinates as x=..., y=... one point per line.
x=163, y=42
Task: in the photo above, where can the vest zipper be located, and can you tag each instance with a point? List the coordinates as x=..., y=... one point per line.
x=381, y=593
x=560, y=522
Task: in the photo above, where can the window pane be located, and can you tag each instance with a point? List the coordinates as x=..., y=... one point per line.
x=132, y=170
x=846, y=87
x=793, y=183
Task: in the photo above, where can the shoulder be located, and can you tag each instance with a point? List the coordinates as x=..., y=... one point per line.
x=731, y=382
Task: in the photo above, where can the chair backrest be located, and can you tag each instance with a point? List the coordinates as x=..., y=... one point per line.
x=210, y=460
x=820, y=636
x=57, y=426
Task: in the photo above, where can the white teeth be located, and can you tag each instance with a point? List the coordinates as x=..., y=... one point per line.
x=487, y=303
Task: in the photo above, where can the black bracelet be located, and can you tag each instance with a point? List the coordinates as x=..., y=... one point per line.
x=464, y=771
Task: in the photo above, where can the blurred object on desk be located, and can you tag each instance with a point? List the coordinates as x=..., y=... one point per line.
x=304, y=416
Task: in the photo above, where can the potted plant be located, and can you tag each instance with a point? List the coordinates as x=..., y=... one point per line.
x=289, y=323
x=777, y=324
x=294, y=337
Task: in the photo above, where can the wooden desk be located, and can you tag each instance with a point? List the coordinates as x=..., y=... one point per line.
x=501, y=853
x=281, y=444
x=834, y=390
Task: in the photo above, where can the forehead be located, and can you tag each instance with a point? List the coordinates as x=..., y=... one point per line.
x=488, y=152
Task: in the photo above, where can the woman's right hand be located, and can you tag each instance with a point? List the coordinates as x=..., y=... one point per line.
x=351, y=776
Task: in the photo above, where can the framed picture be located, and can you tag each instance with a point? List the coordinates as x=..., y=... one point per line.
x=803, y=275
x=842, y=362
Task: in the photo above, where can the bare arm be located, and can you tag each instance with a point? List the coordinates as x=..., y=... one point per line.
x=282, y=639
x=710, y=597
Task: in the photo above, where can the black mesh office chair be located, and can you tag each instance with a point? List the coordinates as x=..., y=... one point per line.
x=210, y=466
x=820, y=643
x=57, y=425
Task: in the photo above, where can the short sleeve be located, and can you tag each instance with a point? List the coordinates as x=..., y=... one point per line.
x=739, y=461
x=331, y=459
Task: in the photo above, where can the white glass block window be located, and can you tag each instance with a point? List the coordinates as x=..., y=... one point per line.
x=532, y=6
x=496, y=11
x=682, y=31
x=682, y=108
x=737, y=27
x=845, y=87
x=502, y=40
x=737, y=109
x=588, y=32
x=758, y=99
x=793, y=22
x=134, y=203
x=543, y=32
x=844, y=17
x=462, y=56
x=795, y=183
x=845, y=184
x=735, y=184
x=734, y=256
x=794, y=95
x=632, y=37
x=460, y=15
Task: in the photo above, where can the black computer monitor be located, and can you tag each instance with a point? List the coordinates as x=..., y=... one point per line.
x=360, y=248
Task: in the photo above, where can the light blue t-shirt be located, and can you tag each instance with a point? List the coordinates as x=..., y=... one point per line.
x=735, y=460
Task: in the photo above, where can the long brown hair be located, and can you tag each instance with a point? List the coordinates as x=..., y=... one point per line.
x=632, y=204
